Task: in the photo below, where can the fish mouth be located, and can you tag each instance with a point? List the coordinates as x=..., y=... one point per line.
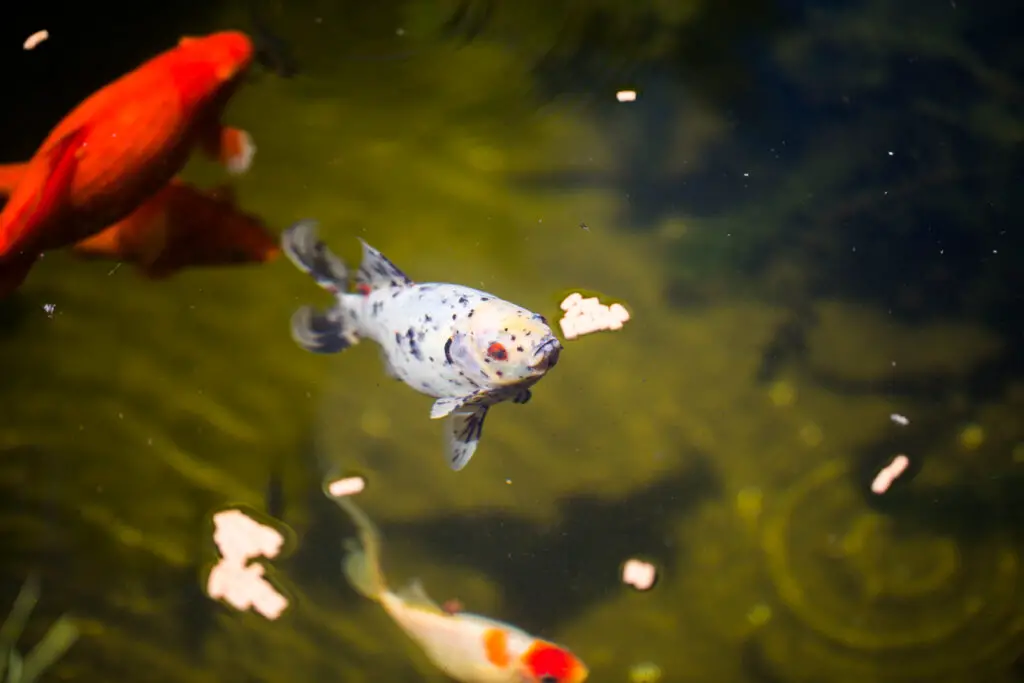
x=546, y=354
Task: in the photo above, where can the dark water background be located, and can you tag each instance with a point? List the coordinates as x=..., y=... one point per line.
x=812, y=212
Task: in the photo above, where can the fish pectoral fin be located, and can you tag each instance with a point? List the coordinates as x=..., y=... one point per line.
x=232, y=147
x=414, y=595
x=377, y=272
x=443, y=407
x=303, y=248
x=523, y=396
x=321, y=332
x=462, y=434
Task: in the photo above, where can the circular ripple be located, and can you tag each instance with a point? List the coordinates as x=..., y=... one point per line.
x=867, y=595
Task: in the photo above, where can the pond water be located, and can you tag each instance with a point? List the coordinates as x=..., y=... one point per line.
x=807, y=210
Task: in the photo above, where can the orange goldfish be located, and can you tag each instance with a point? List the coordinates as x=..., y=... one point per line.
x=467, y=647
x=183, y=226
x=122, y=145
x=180, y=226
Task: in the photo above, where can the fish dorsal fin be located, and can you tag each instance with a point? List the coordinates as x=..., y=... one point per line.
x=415, y=596
x=187, y=40
x=377, y=272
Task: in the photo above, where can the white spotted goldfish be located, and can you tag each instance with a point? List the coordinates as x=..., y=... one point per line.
x=467, y=647
x=468, y=349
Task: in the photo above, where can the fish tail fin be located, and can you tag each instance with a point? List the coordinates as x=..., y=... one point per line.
x=310, y=255
x=322, y=331
x=326, y=331
x=13, y=273
x=362, y=559
x=359, y=571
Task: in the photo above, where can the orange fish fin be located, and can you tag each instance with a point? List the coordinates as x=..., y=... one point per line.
x=232, y=147
x=496, y=647
x=106, y=243
x=140, y=237
x=150, y=240
x=13, y=273
x=62, y=159
x=272, y=252
x=10, y=176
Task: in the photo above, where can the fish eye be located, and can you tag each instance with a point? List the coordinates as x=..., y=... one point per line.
x=496, y=351
x=548, y=678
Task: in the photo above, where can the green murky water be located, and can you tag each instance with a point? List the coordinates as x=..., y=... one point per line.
x=728, y=432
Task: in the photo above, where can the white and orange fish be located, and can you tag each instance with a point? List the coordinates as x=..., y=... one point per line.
x=467, y=647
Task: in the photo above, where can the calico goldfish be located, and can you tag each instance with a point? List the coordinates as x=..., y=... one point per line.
x=468, y=349
x=467, y=647
x=121, y=145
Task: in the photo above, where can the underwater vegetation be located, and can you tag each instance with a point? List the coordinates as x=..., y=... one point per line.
x=27, y=668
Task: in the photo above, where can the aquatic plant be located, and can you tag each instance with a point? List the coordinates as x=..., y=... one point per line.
x=18, y=668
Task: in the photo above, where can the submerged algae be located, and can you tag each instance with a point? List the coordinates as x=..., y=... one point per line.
x=18, y=668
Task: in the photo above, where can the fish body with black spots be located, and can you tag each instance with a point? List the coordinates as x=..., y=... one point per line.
x=466, y=348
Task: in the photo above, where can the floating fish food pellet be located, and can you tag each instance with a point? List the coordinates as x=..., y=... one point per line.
x=639, y=574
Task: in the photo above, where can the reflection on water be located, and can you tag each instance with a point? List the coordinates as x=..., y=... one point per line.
x=807, y=212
